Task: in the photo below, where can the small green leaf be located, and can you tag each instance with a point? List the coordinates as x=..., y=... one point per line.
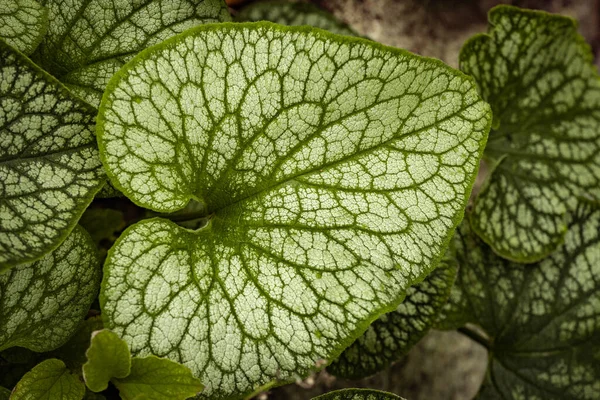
x=107, y=357
x=42, y=303
x=357, y=394
x=332, y=171
x=49, y=380
x=49, y=160
x=537, y=73
x=4, y=393
x=23, y=24
x=154, y=378
x=89, y=40
x=293, y=14
x=73, y=352
x=543, y=320
x=393, y=334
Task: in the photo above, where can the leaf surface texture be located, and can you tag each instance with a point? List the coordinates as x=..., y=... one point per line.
x=293, y=14
x=537, y=73
x=49, y=380
x=42, y=303
x=49, y=160
x=23, y=24
x=393, y=334
x=542, y=320
x=332, y=172
x=89, y=40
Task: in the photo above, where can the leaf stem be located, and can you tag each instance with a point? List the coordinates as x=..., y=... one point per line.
x=476, y=336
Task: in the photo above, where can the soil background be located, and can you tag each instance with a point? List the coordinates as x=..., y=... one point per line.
x=443, y=365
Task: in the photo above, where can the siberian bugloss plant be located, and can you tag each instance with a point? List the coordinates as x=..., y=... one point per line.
x=270, y=200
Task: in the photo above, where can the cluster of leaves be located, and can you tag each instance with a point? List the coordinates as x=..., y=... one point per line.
x=298, y=201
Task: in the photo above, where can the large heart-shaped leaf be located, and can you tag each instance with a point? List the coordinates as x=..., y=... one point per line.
x=43, y=303
x=537, y=74
x=394, y=334
x=332, y=172
x=49, y=160
x=23, y=24
x=293, y=14
x=89, y=40
x=543, y=321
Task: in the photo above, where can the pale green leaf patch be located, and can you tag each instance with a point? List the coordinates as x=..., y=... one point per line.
x=42, y=303
x=154, y=378
x=542, y=322
x=357, y=394
x=332, y=171
x=89, y=40
x=23, y=24
x=537, y=73
x=49, y=160
x=293, y=14
x=107, y=357
x=394, y=334
x=49, y=380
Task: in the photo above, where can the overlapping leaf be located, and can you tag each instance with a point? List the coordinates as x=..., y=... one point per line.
x=49, y=164
x=543, y=320
x=49, y=380
x=42, y=303
x=537, y=74
x=393, y=334
x=23, y=24
x=332, y=172
x=293, y=14
x=108, y=357
x=357, y=394
x=89, y=40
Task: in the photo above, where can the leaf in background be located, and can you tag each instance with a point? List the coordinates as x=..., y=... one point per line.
x=4, y=393
x=393, y=334
x=43, y=303
x=542, y=320
x=73, y=352
x=288, y=13
x=537, y=73
x=357, y=394
x=107, y=357
x=89, y=40
x=103, y=224
x=49, y=160
x=23, y=24
x=49, y=380
x=332, y=170
x=154, y=378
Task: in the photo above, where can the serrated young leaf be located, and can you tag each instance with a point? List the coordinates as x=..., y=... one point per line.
x=49, y=380
x=293, y=14
x=42, y=303
x=49, y=160
x=357, y=394
x=537, y=73
x=107, y=357
x=543, y=320
x=23, y=24
x=89, y=40
x=333, y=171
x=154, y=378
x=393, y=334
